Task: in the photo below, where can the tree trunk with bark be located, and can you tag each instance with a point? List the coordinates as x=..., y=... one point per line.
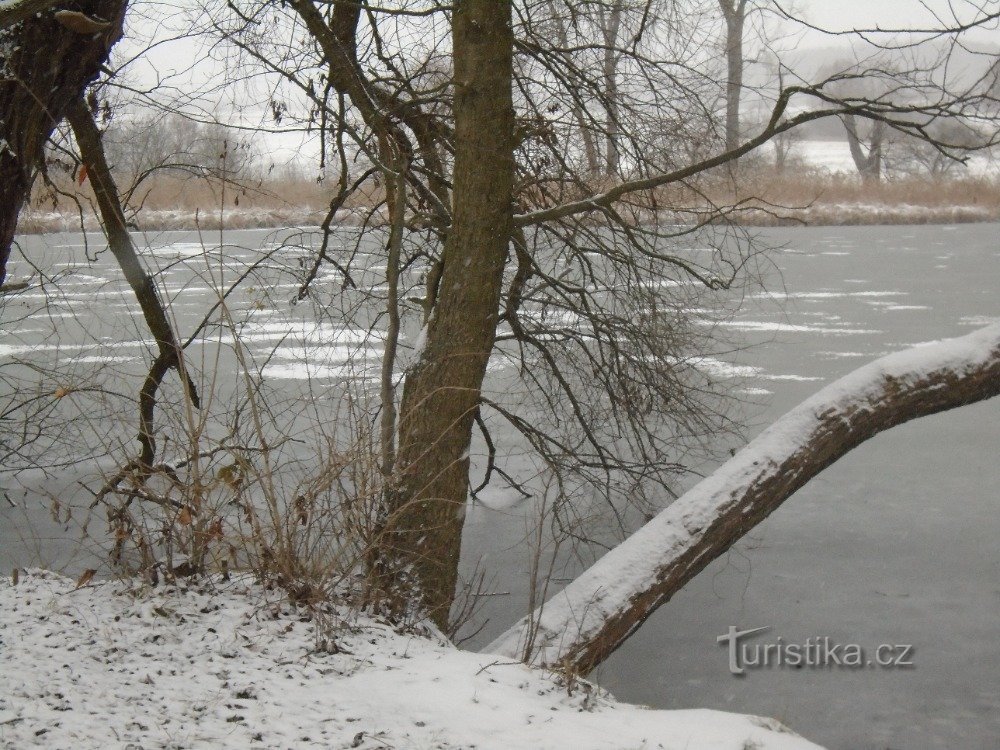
x=21, y=10
x=734, y=13
x=610, y=27
x=867, y=157
x=586, y=133
x=582, y=625
x=48, y=60
x=420, y=539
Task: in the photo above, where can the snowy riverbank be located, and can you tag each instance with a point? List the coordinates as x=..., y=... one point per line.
x=114, y=665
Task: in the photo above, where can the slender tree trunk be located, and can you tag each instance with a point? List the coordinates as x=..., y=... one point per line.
x=420, y=540
x=586, y=134
x=583, y=624
x=396, y=198
x=611, y=27
x=169, y=354
x=877, y=151
x=783, y=142
x=734, y=14
x=46, y=67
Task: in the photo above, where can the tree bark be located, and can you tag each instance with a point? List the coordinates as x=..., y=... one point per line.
x=734, y=14
x=420, y=539
x=47, y=66
x=582, y=625
x=868, y=158
x=586, y=134
x=22, y=10
x=396, y=200
x=611, y=27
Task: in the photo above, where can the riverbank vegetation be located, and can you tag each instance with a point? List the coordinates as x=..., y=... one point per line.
x=765, y=196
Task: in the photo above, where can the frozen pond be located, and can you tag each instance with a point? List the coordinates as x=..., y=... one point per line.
x=896, y=544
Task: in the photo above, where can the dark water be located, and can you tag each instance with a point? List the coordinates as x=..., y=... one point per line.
x=897, y=543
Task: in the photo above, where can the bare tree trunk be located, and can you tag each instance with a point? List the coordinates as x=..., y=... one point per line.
x=582, y=625
x=782, y=143
x=734, y=13
x=611, y=25
x=169, y=354
x=586, y=135
x=867, y=158
x=396, y=198
x=421, y=537
x=47, y=65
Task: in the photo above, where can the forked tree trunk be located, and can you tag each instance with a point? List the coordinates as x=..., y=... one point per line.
x=169, y=353
x=47, y=65
x=582, y=625
x=420, y=538
x=868, y=157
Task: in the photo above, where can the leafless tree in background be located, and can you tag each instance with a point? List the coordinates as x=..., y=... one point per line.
x=867, y=152
x=734, y=13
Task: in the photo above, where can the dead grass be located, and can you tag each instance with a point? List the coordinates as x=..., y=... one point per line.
x=837, y=199
x=765, y=198
x=184, y=202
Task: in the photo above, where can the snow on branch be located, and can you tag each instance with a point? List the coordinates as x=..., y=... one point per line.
x=584, y=623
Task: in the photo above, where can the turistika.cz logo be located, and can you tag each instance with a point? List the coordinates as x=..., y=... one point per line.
x=815, y=652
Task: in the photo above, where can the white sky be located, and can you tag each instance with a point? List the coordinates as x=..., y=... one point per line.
x=831, y=15
x=841, y=15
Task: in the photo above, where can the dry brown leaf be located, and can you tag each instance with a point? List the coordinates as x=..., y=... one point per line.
x=215, y=530
x=184, y=518
x=62, y=392
x=85, y=577
x=232, y=475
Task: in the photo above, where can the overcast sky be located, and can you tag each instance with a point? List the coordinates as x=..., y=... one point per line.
x=838, y=15
x=831, y=15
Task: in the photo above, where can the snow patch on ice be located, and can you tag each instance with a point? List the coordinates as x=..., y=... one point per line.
x=977, y=320
x=776, y=327
x=499, y=498
x=755, y=392
x=794, y=378
x=308, y=371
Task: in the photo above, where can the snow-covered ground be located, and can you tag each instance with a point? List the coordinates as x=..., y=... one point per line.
x=232, y=665
x=835, y=156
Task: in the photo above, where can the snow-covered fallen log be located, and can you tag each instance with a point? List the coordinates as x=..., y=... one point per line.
x=585, y=622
